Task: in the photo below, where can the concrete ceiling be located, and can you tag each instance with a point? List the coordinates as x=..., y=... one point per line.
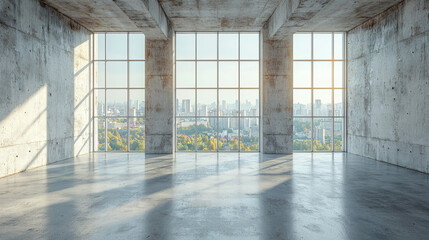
x=281, y=17
x=116, y=15
x=97, y=15
x=351, y=14
x=323, y=15
x=218, y=15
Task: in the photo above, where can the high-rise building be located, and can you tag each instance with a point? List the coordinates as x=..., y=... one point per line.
x=203, y=110
x=233, y=123
x=319, y=134
x=186, y=105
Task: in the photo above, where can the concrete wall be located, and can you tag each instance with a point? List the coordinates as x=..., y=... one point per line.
x=388, y=86
x=44, y=86
x=159, y=96
x=277, y=96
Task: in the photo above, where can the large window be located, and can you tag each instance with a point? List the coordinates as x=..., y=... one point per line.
x=318, y=95
x=119, y=92
x=217, y=91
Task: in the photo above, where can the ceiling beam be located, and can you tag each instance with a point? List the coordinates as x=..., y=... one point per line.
x=291, y=15
x=148, y=16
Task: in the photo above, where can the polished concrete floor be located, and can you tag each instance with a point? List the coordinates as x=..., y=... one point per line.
x=215, y=196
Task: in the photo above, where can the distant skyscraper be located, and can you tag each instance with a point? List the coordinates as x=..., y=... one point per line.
x=318, y=103
x=317, y=106
x=223, y=123
x=233, y=123
x=244, y=123
x=133, y=113
x=320, y=134
x=186, y=105
x=203, y=111
x=254, y=131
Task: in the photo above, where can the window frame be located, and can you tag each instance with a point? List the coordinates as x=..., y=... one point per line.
x=333, y=89
x=239, y=117
x=104, y=118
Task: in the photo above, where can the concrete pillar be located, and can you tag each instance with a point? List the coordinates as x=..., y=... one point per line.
x=159, y=96
x=277, y=100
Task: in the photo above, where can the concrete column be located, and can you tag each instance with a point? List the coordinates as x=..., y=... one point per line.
x=159, y=96
x=277, y=96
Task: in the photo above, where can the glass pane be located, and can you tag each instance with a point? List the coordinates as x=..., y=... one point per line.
x=137, y=46
x=117, y=134
x=206, y=134
x=185, y=134
x=100, y=74
x=99, y=99
x=322, y=134
x=116, y=46
x=185, y=74
x=249, y=46
x=100, y=46
x=228, y=74
x=322, y=101
x=185, y=46
x=302, y=134
x=137, y=102
x=302, y=46
x=137, y=134
x=185, y=102
x=302, y=102
x=228, y=46
x=116, y=102
x=338, y=74
x=116, y=74
x=322, y=76
x=207, y=74
x=249, y=74
x=322, y=46
x=338, y=46
x=101, y=135
x=338, y=134
x=249, y=102
x=249, y=134
x=207, y=102
x=228, y=134
x=302, y=74
x=207, y=46
x=137, y=74
x=338, y=102
x=228, y=100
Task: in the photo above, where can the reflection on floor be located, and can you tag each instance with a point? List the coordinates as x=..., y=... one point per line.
x=215, y=196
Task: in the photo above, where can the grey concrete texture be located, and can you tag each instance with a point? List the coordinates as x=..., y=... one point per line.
x=237, y=15
x=100, y=15
x=277, y=96
x=148, y=16
x=388, y=87
x=216, y=196
x=119, y=15
x=159, y=96
x=45, y=86
x=322, y=15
